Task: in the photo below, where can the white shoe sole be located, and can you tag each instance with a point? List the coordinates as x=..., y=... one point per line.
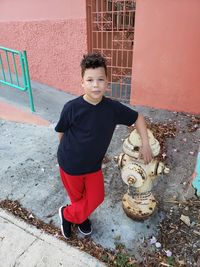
x=60, y=215
x=85, y=233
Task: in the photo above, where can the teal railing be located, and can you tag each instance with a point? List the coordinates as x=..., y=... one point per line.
x=12, y=64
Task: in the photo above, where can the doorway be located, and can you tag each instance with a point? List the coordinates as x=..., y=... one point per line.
x=110, y=31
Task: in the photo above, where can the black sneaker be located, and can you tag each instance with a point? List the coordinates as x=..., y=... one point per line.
x=85, y=228
x=65, y=225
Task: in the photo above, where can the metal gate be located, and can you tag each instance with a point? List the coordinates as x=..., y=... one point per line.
x=110, y=31
x=14, y=63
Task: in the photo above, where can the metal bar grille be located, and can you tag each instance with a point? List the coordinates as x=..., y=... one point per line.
x=8, y=66
x=110, y=25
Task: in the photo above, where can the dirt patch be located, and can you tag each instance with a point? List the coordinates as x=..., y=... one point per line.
x=177, y=239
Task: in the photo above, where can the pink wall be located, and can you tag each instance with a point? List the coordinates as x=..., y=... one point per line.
x=166, y=59
x=54, y=46
x=17, y=10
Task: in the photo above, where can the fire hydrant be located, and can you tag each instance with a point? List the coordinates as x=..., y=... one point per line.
x=136, y=174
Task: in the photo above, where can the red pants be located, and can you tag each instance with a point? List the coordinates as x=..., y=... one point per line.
x=86, y=193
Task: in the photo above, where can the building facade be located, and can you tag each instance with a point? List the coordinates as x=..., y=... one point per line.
x=152, y=47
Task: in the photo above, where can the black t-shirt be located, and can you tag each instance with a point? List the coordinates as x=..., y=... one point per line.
x=88, y=130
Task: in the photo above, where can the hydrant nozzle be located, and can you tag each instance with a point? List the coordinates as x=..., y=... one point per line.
x=131, y=180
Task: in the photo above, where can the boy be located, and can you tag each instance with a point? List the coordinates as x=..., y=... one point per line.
x=85, y=130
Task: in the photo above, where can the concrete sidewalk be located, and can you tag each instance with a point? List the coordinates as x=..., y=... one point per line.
x=29, y=170
x=26, y=246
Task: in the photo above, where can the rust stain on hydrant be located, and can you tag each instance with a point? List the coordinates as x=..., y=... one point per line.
x=138, y=175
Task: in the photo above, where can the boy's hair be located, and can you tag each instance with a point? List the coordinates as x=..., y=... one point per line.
x=93, y=61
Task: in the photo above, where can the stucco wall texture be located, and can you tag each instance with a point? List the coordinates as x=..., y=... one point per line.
x=54, y=49
x=166, y=58
x=53, y=34
x=27, y=10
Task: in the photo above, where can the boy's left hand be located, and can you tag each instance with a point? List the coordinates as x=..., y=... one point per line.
x=145, y=152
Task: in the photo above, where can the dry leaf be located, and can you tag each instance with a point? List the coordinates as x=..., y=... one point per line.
x=185, y=219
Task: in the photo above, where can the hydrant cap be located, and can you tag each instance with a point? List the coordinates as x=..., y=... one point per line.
x=132, y=144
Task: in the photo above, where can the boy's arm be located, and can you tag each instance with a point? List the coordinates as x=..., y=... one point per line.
x=60, y=135
x=145, y=150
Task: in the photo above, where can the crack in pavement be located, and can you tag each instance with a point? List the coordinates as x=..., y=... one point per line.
x=16, y=261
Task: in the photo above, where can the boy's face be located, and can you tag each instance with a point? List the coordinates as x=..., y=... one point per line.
x=94, y=83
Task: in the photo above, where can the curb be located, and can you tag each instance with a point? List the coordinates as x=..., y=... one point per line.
x=24, y=245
